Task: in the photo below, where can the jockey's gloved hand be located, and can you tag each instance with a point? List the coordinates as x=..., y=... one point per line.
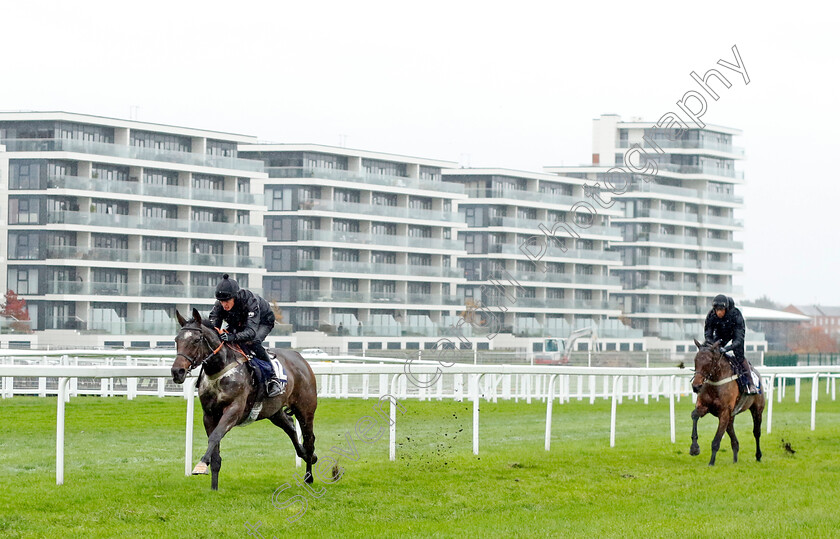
x=726, y=349
x=229, y=336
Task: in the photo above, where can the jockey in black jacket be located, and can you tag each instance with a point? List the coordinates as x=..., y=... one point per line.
x=249, y=320
x=725, y=323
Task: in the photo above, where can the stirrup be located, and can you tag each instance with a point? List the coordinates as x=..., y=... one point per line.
x=274, y=388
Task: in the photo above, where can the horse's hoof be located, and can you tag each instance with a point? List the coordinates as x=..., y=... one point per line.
x=308, y=479
x=694, y=451
x=200, y=469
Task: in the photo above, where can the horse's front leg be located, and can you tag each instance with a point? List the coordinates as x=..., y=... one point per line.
x=212, y=456
x=723, y=422
x=694, y=450
x=730, y=430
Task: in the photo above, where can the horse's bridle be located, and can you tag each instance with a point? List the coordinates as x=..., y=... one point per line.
x=708, y=380
x=195, y=363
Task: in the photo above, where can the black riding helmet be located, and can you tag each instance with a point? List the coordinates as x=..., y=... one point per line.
x=227, y=288
x=720, y=302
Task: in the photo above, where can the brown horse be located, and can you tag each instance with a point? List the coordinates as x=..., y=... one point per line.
x=228, y=393
x=715, y=383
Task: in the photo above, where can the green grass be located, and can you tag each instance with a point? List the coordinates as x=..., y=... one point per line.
x=124, y=474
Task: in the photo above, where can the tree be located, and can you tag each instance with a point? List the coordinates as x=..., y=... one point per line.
x=808, y=339
x=15, y=308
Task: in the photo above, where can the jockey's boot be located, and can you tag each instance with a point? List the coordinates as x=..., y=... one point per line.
x=749, y=386
x=275, y=387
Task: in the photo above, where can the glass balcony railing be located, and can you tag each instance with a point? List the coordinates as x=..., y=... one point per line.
x=535, y=277
x=363, y=177
x=669, y=215
x=131, y=152
x=548, y=198
x=72, y=252
x=379, y=239
x=691, y=145
x=549, y=303
x=146, y=290
x=534, y=224
x=151, y=189
x=653, y=308
x=333, y=296
x=334, y=266
x=380, y=210
x=552, y=251
x=653, y=187
x=134, y=222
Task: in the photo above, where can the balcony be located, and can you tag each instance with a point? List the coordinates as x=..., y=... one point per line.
x=385, y=298
x=363, y=177
x=146, y=290
x=699, y=169
x=547, y=198
x=534, y=225
x=668, y=215
x=152, y=190
x=332, y=266
x=131, y=152
x=380, y=210
x=653, y=187
x=690, y=145
x=548, y=303
x=536, y=277
x=151, y=223
x=357, y=238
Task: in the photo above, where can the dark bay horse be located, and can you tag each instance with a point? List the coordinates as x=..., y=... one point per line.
x=716, y=385
x=228, y=393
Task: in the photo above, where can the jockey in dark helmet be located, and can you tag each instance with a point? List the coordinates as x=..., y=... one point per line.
x=250, y=319
x=725, y=323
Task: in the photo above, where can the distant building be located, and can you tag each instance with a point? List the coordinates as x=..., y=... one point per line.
x=826, y=318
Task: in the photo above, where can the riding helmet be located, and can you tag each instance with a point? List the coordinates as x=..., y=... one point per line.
x=720, y=301
x=227, y=288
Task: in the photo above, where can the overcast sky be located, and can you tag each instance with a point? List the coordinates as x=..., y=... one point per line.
x=512, y=85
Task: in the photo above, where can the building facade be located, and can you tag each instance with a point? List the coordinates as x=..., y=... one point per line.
x=113, y=224
x=540, y=263
x=678, y=225
x=361, y=244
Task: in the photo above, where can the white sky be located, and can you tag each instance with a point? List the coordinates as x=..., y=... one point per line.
x=513, y=85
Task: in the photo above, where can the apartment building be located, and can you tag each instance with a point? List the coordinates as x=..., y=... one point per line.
x=361, y=245
x=678, y=227
x=113, y=224
x=535, y=258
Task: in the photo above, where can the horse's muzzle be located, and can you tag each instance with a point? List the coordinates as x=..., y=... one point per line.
x=178, y=375
x=696, y=388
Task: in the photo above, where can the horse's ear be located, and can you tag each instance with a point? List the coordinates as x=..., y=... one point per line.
x=196, y=316
x=180, y=318
x=699, y=346
x=716, y=344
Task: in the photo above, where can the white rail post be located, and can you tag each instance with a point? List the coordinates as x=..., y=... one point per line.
x=392, y=440
x=299, y=435
x=189, y=394
x=476, y=396
x=771, y=387
x=671, y=385
x=59, y=431
x=616, y=392
x=814, y=391
x=548, y=412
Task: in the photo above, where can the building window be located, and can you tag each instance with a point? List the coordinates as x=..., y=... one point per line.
x=160, y=141
x=160, y=177
x=24, y=246
x=207, y=182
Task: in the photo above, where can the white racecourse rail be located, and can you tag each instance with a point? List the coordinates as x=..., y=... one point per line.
x=342, y=378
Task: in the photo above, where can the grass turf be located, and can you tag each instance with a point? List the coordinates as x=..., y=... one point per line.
x=124, y=474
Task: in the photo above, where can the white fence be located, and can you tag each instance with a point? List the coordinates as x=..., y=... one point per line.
x=117, y=373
